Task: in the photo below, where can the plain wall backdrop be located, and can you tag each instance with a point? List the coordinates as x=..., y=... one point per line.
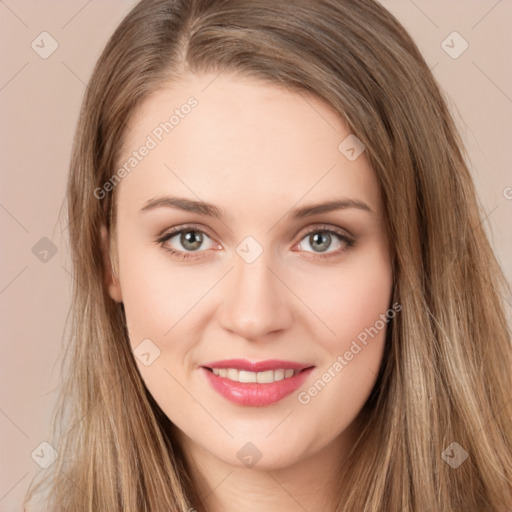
x=48, y=50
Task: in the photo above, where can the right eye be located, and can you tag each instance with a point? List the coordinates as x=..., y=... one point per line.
x=188, y=240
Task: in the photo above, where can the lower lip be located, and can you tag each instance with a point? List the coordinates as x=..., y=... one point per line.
x=254, y=394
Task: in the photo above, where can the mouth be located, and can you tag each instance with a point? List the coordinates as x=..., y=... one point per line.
x=255, y=383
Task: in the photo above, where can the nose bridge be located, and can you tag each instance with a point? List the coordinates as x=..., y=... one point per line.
x=256, y=302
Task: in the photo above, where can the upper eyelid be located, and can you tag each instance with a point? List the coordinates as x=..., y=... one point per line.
x=179, y=229
x=326, y=227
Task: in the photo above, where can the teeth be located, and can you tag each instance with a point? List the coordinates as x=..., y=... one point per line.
x=232, y=374
x=265, y=377
x=279, y=374
x=261, y=377
x=244, y=376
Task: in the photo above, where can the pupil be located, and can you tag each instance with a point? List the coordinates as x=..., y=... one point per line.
x=324, y=239
x=191, y=240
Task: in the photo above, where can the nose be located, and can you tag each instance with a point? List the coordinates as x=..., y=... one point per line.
x=255, y=301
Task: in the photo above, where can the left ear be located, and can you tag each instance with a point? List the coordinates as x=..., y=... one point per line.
x=111, y=281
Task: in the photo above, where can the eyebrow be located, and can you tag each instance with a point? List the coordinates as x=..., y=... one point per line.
x=202, y=208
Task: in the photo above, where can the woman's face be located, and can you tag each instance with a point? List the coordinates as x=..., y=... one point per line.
x=263, y=283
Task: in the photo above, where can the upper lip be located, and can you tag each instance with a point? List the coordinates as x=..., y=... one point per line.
x=257, y=366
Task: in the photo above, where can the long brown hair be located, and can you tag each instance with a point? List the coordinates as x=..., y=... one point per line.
x=446, y=372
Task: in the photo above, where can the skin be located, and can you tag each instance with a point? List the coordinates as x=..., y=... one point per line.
x=255, y=151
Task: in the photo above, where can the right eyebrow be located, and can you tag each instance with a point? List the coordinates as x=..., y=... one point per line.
x=182, y=203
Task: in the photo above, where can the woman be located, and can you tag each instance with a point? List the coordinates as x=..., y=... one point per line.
x=285, y=298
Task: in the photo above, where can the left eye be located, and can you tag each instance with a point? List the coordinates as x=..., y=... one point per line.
x=321, y=239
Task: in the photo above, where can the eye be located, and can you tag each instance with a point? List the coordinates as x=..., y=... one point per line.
x=321, y=239
x=188, y=240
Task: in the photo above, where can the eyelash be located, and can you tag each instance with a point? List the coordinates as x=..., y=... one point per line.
x=194, y=254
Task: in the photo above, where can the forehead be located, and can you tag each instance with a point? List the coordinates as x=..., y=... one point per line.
x=231, y=139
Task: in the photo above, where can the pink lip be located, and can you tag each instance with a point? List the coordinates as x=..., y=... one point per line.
x=253, y=393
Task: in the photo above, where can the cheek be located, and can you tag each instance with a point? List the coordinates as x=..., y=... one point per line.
x=157, y=297
x=160, y=302
x=357, y=308
x=352, y=298
x=361, y=303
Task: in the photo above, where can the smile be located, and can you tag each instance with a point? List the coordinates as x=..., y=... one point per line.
x=255, y=384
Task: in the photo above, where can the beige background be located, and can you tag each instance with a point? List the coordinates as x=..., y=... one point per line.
x=39, y=104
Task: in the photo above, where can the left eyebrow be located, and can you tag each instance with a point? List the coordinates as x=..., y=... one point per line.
x=329, y=206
